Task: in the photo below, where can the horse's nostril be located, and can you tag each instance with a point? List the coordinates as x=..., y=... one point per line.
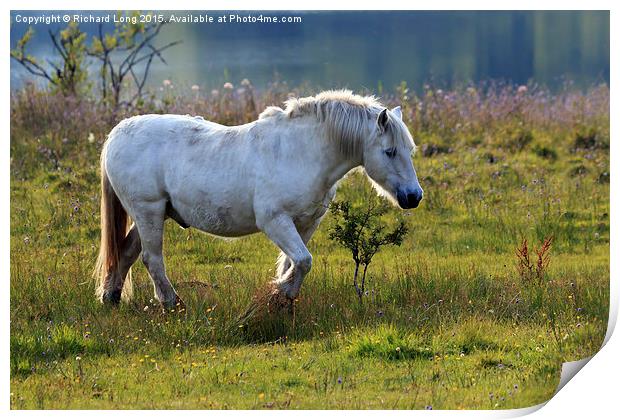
x=413, y=199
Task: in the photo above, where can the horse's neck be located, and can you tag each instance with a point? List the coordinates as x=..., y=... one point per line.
x=338, y=170
x=337, y=165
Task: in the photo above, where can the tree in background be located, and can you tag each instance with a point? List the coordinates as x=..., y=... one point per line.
x=125, y=55
x=126, y=52
x=68, y=75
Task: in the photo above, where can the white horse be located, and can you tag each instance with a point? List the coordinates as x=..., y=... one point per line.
x=276, y=175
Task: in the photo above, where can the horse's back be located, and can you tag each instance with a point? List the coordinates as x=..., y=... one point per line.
x=187, y=163
x=138, y=149
x=158, y=130
x=156, y=136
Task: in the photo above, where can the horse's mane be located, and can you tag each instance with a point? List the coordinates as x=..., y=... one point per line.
x=345, y=115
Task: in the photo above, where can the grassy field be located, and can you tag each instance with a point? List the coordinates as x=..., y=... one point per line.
x=450, y=321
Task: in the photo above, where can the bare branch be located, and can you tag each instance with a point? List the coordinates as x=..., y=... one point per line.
x=136, y=50
x=61, y=50
x=157, y=52
x=32, y=67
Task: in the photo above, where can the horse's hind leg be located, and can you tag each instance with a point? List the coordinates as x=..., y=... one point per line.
x=150, y=222
x=130, y=250
x=283, y=263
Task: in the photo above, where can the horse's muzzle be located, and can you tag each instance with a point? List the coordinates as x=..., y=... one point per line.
x=409, y=200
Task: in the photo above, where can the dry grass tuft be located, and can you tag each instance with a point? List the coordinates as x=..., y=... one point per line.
x=267, y=300
x=270, y=314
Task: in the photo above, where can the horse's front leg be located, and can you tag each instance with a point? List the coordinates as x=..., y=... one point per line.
x=283, y=263
x=282, y=231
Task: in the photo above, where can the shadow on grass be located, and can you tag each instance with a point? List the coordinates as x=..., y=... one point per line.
x=60, y=342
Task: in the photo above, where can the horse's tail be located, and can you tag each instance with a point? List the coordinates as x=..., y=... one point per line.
x=114, y=226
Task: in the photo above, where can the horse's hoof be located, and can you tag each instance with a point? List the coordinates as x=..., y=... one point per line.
x=290, y=293
x=111, y=298
x=179, y=305
x=279, y=300
x=286, y=289
x=176, y=305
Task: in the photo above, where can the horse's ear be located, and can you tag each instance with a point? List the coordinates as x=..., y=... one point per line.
x=382, y=120
x=398, y=112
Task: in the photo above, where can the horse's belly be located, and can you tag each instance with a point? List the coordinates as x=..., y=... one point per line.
x=219, y=221
x=225, y=230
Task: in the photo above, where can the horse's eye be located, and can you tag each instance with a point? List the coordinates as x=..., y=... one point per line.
x=391, y=152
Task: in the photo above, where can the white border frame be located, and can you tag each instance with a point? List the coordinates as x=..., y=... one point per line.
x=592, y=394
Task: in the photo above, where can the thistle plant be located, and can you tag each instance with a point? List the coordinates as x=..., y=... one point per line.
x=527, y=269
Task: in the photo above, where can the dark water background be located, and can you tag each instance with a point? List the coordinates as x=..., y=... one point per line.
x=373, y=49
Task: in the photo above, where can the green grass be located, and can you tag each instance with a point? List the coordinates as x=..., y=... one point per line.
x=362, y=371
x=448, y=322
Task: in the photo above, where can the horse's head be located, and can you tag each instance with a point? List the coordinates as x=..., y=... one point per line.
x=387, y=159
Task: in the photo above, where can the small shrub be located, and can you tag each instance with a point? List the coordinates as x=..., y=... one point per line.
x=360, y=230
